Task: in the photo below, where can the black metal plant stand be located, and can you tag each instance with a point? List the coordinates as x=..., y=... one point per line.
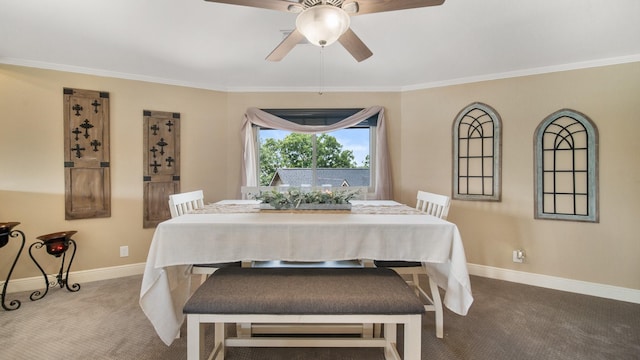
x=57, y=245
x=5, y=233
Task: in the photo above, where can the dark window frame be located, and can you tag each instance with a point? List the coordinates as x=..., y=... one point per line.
x=475, y=130
x=324, y=117
x=563, y=136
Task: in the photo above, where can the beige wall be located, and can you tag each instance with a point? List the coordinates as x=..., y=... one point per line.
x=607, y=252
x=32, y=181
x=31, y=154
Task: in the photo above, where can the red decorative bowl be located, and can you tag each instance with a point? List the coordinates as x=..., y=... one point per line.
x=57, y=243
x=5, y=230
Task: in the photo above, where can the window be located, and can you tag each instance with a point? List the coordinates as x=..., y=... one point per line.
x=380, y=168
x=476, y=153
x=566, y=167
x=339, y=158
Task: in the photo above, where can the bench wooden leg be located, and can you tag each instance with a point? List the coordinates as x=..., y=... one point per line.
x=195, y=338
x=412, y=336
x=219, y=349
x=390, y=336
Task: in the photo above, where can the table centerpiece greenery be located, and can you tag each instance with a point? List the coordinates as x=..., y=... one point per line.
x=297, y=199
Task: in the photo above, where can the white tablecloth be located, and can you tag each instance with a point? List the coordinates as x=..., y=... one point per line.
x=318, y=236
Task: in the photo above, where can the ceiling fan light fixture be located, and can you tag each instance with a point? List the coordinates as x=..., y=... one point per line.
x=322, y=25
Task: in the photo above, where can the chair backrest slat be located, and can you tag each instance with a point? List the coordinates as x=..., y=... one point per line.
x=182, y=203
x=433, y=204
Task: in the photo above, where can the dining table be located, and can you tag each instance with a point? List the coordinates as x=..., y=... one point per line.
x=239, y=230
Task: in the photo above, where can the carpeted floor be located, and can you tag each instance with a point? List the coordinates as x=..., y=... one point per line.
x=507, y=321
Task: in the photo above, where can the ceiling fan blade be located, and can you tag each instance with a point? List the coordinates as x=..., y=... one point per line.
x=376, y=6
x=280, y=5
x=354, y=45
x=285, y=46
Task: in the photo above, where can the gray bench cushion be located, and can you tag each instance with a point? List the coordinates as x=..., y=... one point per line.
x=304, y=291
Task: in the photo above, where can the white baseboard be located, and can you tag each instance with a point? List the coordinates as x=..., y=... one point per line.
x=546, y=281
x=84, y=276
x=557, y=283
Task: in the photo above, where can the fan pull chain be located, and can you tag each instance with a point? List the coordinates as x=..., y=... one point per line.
x=321, y=70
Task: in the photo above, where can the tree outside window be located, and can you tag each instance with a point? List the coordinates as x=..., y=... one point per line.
x=285, y=150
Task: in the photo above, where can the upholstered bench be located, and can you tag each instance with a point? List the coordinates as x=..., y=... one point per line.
x=304, y=295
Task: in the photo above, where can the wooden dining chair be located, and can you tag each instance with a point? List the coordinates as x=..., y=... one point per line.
x=436, y=205
x=433, y=204
x=180, y=204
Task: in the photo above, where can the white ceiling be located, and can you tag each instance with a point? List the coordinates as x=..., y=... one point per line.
x=223, y=47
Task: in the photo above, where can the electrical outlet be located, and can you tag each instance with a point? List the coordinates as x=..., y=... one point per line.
x=124, y=251
x=518, y=256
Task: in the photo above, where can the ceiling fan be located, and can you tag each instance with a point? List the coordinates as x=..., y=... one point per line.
x=323, y=22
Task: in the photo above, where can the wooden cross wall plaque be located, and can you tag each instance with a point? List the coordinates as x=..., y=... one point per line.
x=86, y=154
x=161, y=164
